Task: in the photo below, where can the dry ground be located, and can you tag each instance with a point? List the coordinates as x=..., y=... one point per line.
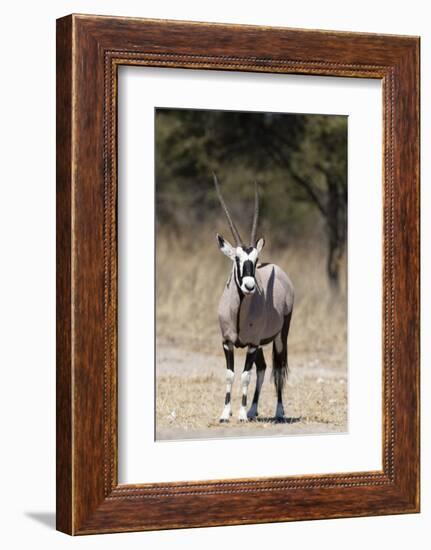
x=190, y=365
x=191, y=389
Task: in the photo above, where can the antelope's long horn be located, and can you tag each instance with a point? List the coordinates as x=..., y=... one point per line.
x=255, y=215
x=235, y=232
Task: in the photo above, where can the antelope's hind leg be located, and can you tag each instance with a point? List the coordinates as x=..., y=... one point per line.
x=230, y=375
x=260, y=375
x=280, y=366
x=245, y=381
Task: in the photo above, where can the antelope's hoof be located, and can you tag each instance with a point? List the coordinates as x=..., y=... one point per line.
x=224, y=420
x=279, y=413
x=252, y=413
x=242, y=417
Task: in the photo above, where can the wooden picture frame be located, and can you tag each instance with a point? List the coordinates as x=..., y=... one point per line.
x=89, y=52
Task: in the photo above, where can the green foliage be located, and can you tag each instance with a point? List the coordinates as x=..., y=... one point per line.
x=299, y=160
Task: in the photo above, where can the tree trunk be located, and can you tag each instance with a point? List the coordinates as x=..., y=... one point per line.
x=335, y=254
x=336, y=233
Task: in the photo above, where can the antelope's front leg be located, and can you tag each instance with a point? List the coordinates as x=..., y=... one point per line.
x=245, y=381
x=260, y=375
x=230, y=375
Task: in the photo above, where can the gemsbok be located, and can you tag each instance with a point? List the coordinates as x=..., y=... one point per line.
x=254, y=310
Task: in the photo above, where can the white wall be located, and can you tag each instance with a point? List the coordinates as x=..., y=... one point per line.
x=27, y=237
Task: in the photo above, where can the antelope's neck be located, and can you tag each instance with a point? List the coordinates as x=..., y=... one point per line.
x=237, y=299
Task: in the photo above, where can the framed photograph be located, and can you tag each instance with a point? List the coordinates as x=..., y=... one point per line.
x=237, y=274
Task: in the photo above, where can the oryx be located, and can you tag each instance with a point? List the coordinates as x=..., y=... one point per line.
x=255, y=309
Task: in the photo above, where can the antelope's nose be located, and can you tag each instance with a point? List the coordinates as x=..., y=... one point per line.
x=249, y=285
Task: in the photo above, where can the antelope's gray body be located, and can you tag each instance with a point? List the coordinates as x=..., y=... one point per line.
x=256, y=319
x=255, y=309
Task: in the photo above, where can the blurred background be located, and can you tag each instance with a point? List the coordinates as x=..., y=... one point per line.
x=300, y=163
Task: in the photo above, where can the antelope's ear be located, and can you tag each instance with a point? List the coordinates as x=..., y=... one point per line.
x=225, y=247
x=260, y=244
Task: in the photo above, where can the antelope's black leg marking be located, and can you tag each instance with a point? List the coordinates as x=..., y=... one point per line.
x=245, y=380
x=260, y=375
x=228, y=353
x=279, y=365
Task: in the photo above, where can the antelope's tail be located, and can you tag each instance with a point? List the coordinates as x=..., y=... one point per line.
x=280, y=367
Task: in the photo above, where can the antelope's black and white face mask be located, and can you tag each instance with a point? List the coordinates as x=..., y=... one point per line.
x=245, y=260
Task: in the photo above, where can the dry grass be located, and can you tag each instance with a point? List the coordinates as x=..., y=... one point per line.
x=191, y=273
x=190, y=395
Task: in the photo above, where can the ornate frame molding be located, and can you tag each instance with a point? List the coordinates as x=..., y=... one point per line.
x=90, y=49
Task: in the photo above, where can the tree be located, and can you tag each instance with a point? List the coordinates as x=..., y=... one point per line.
x=318, y=165
x=309, y=150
